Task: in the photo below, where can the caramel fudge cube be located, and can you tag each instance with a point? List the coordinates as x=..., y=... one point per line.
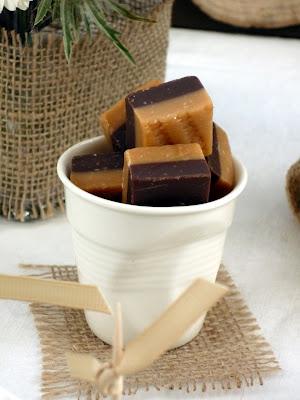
x=175, y=112
x=113, y=121
x=99, y=174
x=221, y=165
x=166, y=176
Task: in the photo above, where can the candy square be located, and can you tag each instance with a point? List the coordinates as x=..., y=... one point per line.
x=99, y=174
x=175, y=112
x=166, y=176
x=221, y=165
x=113, y=120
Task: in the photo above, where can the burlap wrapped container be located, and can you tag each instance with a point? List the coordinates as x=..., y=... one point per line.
x=293, y=188
x=254, y=13
x=47, y=105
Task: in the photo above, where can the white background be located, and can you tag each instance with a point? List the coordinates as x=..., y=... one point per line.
x=254, y=83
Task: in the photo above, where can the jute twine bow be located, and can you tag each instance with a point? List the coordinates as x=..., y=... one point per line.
x=139, y=353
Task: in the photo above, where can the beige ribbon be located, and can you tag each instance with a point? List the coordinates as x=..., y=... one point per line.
x=61, y=293
x=141, y=352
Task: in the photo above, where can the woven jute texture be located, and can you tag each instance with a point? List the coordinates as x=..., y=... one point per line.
x=228, y=353
x=254, y=13
x=293, y=188
x=47, y=105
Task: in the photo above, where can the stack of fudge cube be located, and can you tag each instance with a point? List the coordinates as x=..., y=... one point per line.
x=165, y=149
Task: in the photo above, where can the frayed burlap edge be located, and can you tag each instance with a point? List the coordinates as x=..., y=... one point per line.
x=229, y=352
x=293, y=188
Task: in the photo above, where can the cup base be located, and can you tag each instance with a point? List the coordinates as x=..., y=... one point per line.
x=102, y=326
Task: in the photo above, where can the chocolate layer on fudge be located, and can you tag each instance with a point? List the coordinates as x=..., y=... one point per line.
x=221, y=165
x=175, y=112
x=113, y=121
x=166, y=176
x=99, y=174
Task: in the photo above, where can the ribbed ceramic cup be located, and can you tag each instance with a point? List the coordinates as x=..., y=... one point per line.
x=143, y=257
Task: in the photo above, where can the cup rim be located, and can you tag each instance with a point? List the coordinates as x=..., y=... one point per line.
x=146, y=210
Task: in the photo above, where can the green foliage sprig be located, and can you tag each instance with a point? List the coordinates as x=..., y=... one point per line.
x=75, y=14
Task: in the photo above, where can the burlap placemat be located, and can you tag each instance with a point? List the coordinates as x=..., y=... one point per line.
x=228, y=353
x=293, y=188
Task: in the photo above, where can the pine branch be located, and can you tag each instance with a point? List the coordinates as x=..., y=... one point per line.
x=74, y=14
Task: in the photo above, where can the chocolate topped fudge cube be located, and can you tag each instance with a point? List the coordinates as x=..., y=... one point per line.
x=99, y=174
x=221, y=165
x=113, y=120
x=175, y=112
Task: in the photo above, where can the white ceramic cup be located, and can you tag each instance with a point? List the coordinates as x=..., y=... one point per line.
x=143, y=257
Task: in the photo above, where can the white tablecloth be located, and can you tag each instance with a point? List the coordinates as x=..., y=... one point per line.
x=255, y=86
